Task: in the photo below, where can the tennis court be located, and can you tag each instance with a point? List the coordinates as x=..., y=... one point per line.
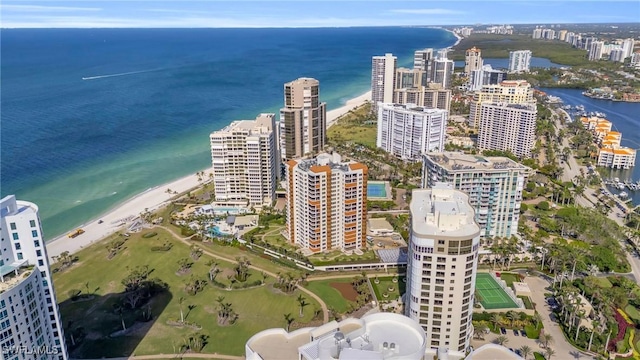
x=376, y=190
x=490, y=294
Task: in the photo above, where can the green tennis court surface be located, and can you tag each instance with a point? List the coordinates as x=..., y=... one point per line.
x=490, y=294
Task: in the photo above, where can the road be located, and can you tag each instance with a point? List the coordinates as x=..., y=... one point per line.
x=590, y=198
x=563, y=349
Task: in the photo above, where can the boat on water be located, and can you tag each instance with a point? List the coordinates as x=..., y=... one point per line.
x=623, y=195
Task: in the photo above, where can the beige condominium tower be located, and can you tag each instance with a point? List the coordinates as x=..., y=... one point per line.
x=441, y=270
x=303, y=119
x=508, y=91
x=244, y=160
x=472, y=60
x=326, y=203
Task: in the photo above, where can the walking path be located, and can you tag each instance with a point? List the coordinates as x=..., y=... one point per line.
x=213, y=356
x=325, y=309
x=563, y=349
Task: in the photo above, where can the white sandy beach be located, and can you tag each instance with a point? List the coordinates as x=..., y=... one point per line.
x=153, y=199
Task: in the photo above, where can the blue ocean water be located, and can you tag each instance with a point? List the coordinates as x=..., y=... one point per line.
x=150, y=97
x=624, y=118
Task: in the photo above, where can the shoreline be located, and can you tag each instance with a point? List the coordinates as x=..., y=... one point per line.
x=152, y=199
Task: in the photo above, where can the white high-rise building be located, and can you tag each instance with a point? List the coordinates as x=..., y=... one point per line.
x=635, y=60
x=408, y=131
x=441, y=70
x=494, y=185
x=383, y=70
x=627, y=47
x=616, y=55
x=485, y=76
x=422, y=59
x=595, y=50
x=537, y=33
x=519, y=61
x=303, y=119
x=507, y=127
x=326, y=203
x=442, y=265
x=244, y=156
x=29, y=314
x=508, y=91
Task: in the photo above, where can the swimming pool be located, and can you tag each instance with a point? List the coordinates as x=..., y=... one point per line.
x=215, y=231
x=376, y=190
x=227, y=210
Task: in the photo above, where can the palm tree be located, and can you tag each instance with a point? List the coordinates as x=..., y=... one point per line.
x=302, y=302
x=495, y=319
x=289, y=319
x=180, y=301
x=548, y=353
x=501, y=340
x=479, y=330
x=525, y=351
x=596, y=325
x=547, y=339
x=512, y=316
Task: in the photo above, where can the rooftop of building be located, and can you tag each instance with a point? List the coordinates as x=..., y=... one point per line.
x=412, y=108
x=515, y=83
x=9, y=206
x=618, y=150
x=443, y=212
x=14, y=274
x=520, y=106
x=383, y=336
x=379, y=224
x=261, y=125
x=492, y=352
x=458, y=161
x=333, y=161
x=303, y=81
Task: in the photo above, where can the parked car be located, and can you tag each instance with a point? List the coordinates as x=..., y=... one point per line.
x=523, y=333
x=503, y=331
x=515, y=332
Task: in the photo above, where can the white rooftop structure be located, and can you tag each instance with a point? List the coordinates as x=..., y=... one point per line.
x=443, y=211
x=381, y=336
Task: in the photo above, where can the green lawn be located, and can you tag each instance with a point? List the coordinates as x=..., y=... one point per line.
x=632, y=312
x=603, y=282
x=527, y=302
x=329, y=294
x=386, y=283
x=337, y=257
x=362, y=134
x=509, y=278
x=532, y=331
x=259, y=308
x=538, y=356
x=357, y=126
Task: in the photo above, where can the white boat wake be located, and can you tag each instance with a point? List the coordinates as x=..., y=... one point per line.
x=119, y=74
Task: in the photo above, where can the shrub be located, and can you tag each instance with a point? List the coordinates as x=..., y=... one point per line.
x=149, y=235
x=543, y=205
x=74, y=294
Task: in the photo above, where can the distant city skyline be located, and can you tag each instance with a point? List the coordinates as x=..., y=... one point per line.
x=329, y=13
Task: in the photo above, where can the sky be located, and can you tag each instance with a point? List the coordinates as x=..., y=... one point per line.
x=307, y=13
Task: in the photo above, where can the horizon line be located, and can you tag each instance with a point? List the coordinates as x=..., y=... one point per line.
x=324, y=27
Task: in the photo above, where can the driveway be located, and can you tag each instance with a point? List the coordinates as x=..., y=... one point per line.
x=560, y=345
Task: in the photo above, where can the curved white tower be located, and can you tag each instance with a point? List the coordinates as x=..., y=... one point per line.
x=443, y=259
x=29, y=314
